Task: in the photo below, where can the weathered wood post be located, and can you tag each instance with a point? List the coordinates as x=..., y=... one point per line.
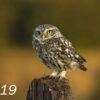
x=46, y=88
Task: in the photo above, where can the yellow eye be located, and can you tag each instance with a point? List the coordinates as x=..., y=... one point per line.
x=50, y=32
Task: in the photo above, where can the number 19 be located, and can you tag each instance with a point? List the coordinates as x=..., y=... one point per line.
x=12, y=90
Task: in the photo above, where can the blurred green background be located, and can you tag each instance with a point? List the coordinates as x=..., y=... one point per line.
x=79, y=20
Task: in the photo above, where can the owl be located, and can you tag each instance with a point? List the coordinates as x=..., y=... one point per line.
x=56, y=51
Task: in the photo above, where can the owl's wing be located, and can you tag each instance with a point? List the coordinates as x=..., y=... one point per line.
x=69, y=49
x=72, y=54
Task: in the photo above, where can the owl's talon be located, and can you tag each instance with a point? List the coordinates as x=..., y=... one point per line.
x=61, y=78
x=54, y=74
x=52, y=77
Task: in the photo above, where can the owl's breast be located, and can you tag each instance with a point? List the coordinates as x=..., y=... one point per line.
x=50, y=54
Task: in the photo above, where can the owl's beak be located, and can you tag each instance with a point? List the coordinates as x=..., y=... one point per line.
x=42, y=37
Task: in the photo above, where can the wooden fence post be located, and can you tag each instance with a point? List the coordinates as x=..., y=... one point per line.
x=46, y=88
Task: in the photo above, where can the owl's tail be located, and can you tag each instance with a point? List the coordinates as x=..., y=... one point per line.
x=82, y=67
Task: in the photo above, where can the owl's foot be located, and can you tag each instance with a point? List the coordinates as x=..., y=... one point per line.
x=62, y=75
x=54, y=75
x=58, y=75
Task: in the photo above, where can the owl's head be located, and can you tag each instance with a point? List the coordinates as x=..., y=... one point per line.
x=45, y=32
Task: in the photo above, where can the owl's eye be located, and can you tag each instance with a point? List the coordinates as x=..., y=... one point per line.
x=50, y=32
x=37, y=33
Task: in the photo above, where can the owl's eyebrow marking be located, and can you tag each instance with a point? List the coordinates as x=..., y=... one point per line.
x=37, y=29
x=48, y=29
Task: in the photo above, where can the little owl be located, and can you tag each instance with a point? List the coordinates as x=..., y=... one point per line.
x=56, y=52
